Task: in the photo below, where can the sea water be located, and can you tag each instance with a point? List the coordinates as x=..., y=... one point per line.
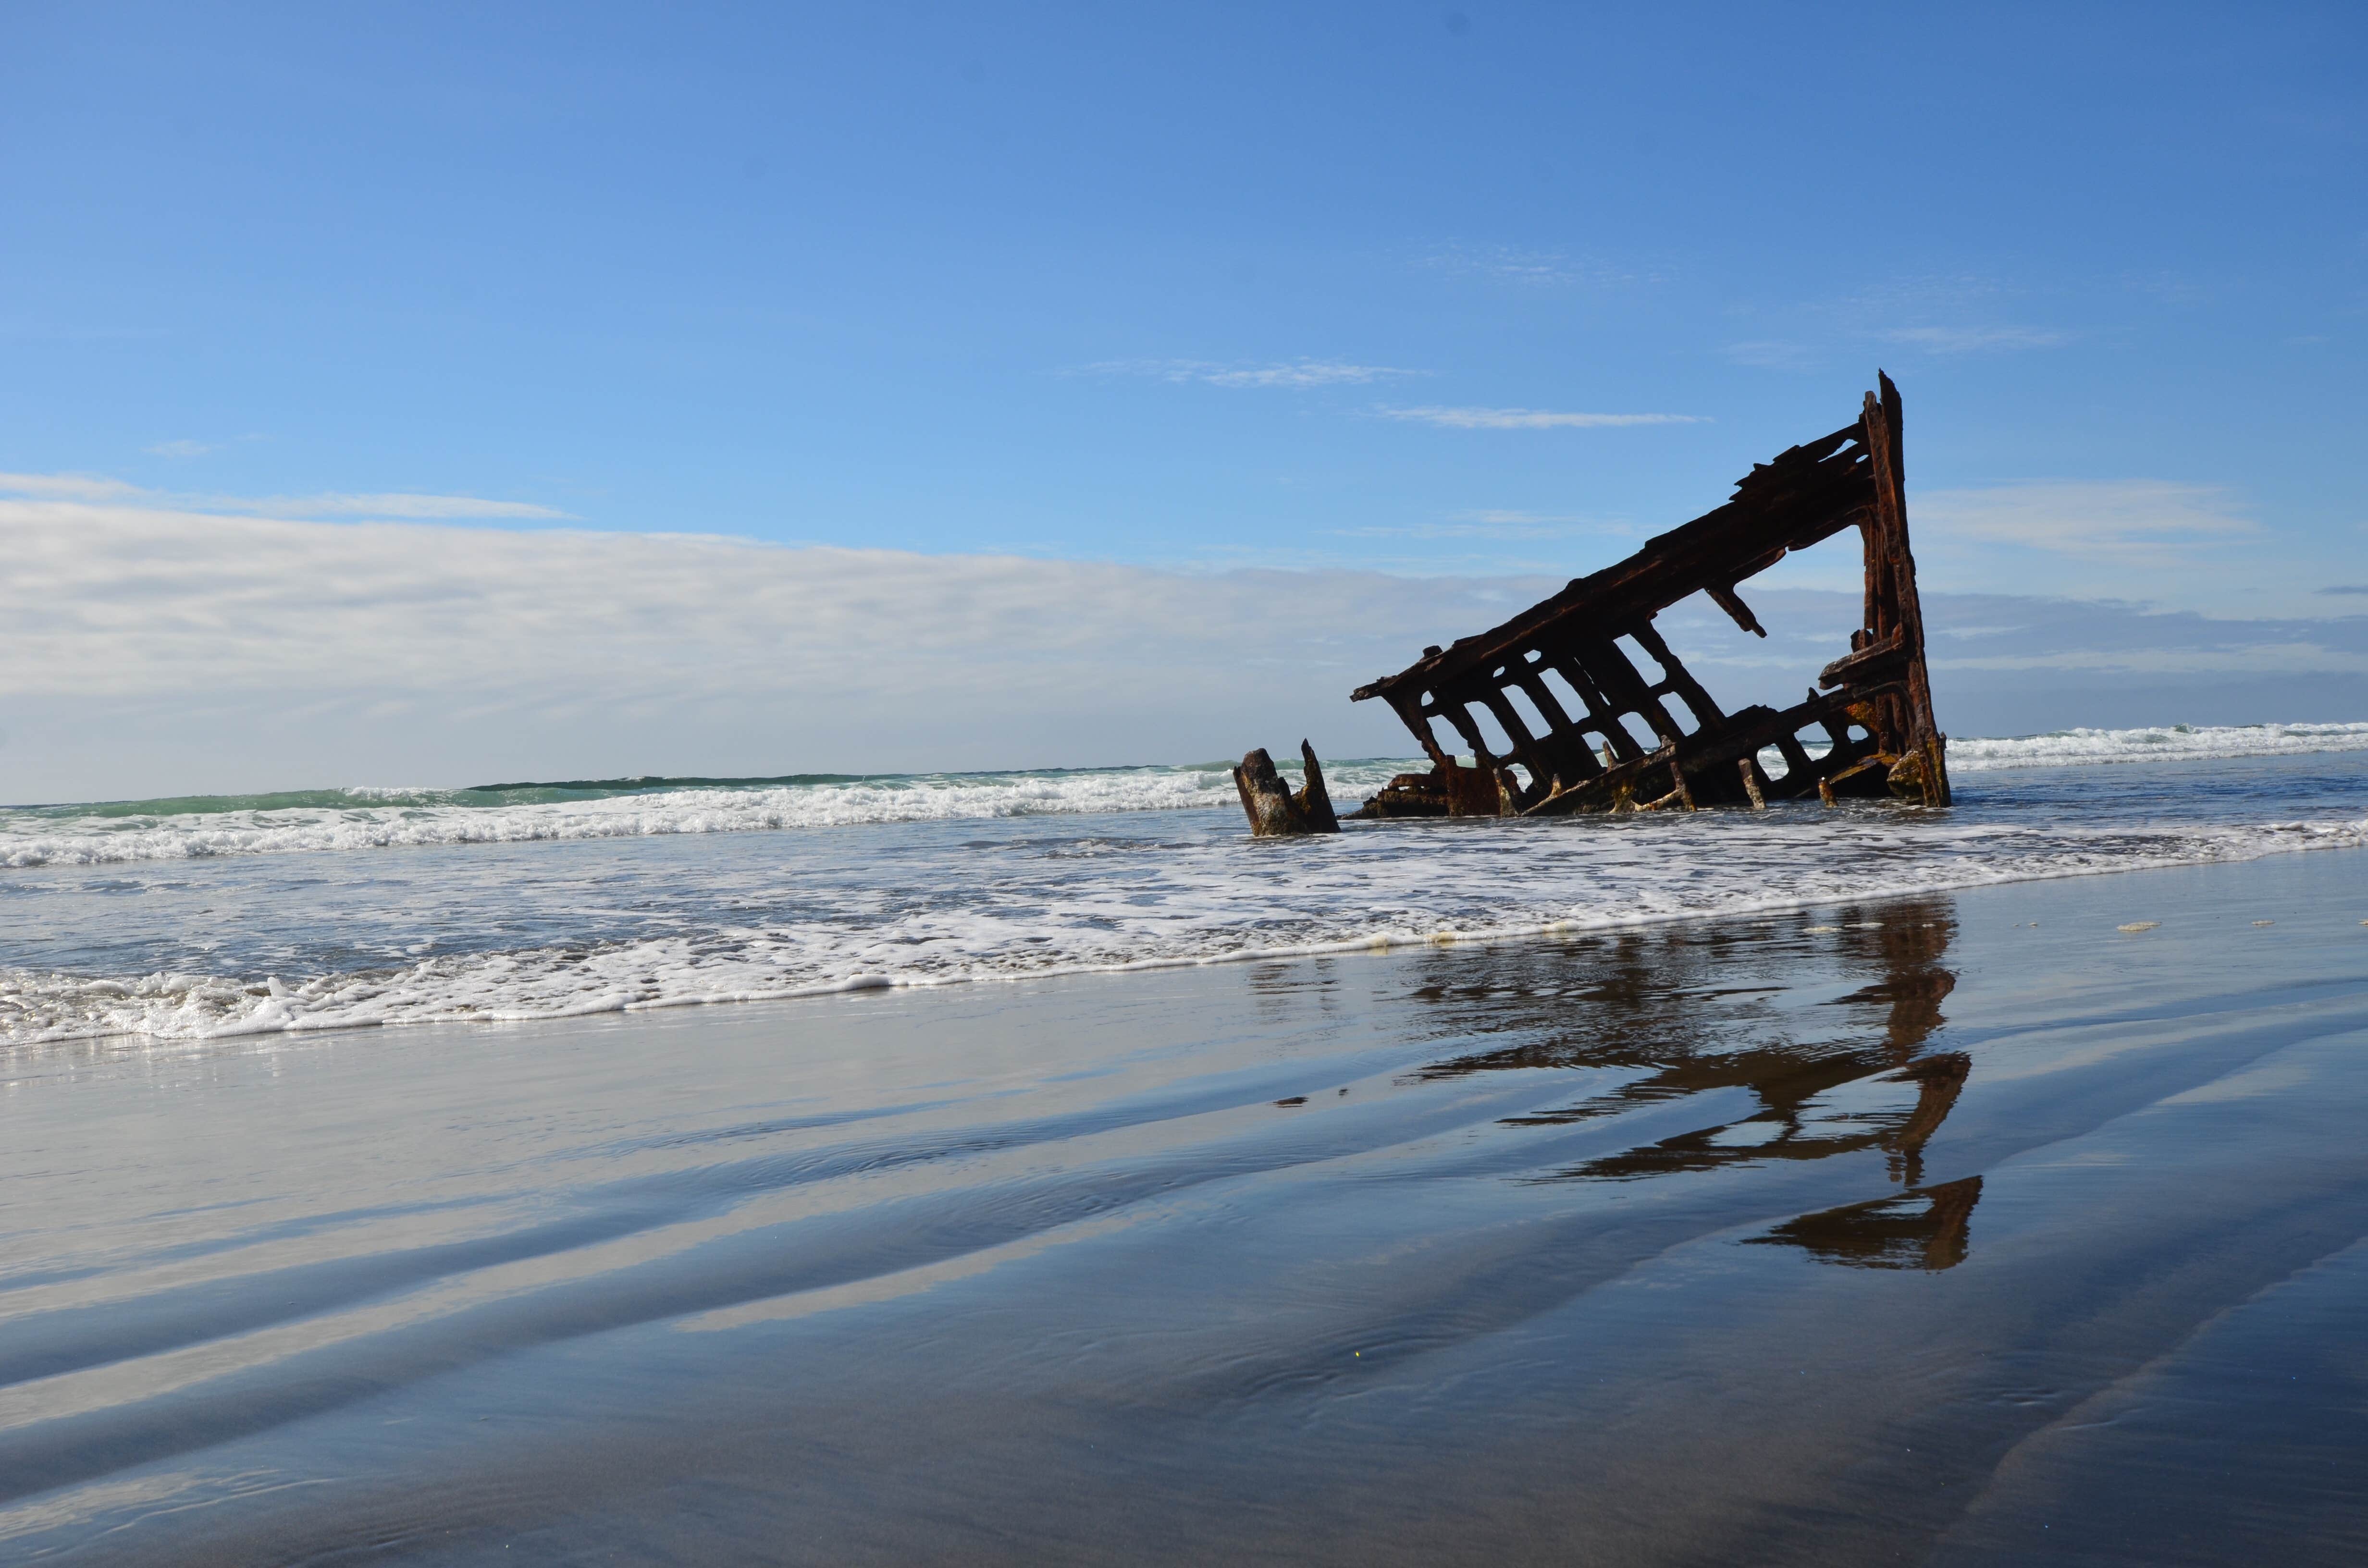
x=189, y=919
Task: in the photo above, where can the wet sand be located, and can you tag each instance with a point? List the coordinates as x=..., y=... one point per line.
x=1911, y=1231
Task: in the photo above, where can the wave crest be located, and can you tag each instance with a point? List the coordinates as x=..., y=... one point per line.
x=368, y=817
x=1216, y=899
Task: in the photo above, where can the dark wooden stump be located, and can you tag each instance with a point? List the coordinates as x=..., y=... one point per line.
x=1274, y=809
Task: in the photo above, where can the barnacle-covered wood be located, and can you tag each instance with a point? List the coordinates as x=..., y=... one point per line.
x=1597, y=714
x=1275, y=811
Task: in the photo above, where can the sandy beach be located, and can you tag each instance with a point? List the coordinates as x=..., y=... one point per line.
x=1967, y=1228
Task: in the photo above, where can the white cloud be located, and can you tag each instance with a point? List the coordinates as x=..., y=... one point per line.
x=1304, y=373
x=155, y=650
x=2148, y=520
x=394, y=506
x=108, y=599
x=2251, y=658
x=182, y=449
x=87, y=488
x=1803, y=335
x=1973, y=339
x=1295, y=375
x=2160, y=542
x=1529, y=418
x=68, y=487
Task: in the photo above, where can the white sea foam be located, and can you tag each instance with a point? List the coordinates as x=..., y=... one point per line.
x=363, y=817
x=2173, y=742
x=173, y=921
x=380, y=819
x=1027, y=907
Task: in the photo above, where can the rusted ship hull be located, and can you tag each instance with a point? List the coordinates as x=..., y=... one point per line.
x=1561, y=680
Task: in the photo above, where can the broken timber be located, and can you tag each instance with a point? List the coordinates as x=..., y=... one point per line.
x=1557, y=683
x=1274, y=811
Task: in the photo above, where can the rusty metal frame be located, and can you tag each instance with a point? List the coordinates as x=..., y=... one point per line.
x=1562, y=661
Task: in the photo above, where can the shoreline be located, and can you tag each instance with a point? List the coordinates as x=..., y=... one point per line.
x=1983, y=754
x=1380, y=944
x=1447, y=1256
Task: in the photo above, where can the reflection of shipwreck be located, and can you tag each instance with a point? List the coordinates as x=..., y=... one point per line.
x=1559, y=712
x=1921, y=1228
x=1792, y=1079
x=1685, y=1015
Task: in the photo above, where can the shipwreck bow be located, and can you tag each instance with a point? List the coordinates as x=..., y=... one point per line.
x=1561, y=680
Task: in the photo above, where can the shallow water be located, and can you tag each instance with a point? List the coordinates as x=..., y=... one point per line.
x=420, y=911
x=1881, y=1229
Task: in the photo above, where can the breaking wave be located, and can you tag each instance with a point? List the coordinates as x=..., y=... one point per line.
x=365, y=817
x=2170, y=743
x=379, y=818
x=1024, y=901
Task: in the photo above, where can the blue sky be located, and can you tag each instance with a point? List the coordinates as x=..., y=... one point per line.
x=1465, y=289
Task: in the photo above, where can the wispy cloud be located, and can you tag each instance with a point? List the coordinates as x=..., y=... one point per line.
x=174, y=645
x=1536, y=268
x=2290, y=657
x=1303, y=374
x=1293, y=374
x=1774, y=354
x=1959, y=294
x=107, y=596
x=399, y=505
x=68, y=487
x=78, y=487
x=2167, y=288
x=1512, y=517
x=1939, y=314
x=2347, y=588
x=2139, y=519
x=1529, y=418
x=182, y=449
x=1973, y=339
x=1493, y=524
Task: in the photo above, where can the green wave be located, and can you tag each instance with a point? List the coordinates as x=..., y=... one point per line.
x=275, y=801
x=527, y=792
x=650, y=783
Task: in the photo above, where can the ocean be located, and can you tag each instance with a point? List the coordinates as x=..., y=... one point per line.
x=1858, y=1185
x=194, y=919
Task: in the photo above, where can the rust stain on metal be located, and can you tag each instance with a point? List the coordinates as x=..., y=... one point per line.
x=1577, y=684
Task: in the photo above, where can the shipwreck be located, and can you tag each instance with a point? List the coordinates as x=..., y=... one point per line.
x=1595, y=713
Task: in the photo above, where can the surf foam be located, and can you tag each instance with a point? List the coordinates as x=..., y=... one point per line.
x=1030, y=904
x=364, y=817
x=2170, y=743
